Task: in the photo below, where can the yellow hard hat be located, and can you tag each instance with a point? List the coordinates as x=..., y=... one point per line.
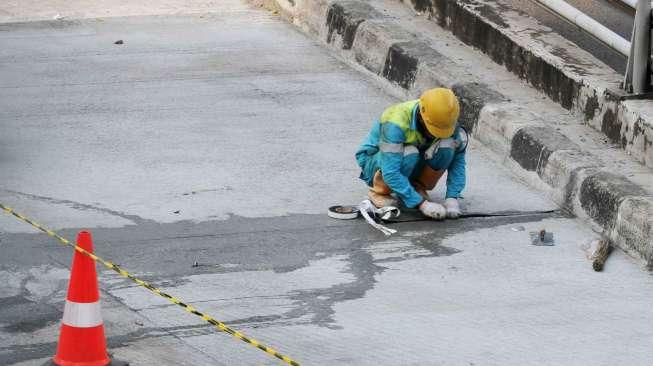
x=439, y=109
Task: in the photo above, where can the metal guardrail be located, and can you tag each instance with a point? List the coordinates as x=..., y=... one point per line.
x=638, y=50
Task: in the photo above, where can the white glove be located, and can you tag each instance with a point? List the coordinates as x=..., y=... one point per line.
x=453, y=208
x=433, y=210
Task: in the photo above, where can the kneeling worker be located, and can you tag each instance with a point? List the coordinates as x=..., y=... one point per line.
x=410, y=148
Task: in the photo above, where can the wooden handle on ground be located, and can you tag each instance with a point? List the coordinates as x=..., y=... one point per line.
x=601, y=255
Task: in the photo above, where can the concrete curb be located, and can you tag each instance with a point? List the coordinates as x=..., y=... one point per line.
x=543, y=156
x=573, y=78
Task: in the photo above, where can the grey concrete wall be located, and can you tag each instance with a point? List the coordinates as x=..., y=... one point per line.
x=567, y=74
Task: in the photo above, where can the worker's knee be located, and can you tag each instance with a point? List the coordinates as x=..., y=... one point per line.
x=378, y=184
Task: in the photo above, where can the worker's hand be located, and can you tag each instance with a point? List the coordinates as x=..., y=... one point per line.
x=452, y=207
x=433, y=210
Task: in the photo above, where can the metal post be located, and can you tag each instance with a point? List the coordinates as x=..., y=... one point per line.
x=641, y=47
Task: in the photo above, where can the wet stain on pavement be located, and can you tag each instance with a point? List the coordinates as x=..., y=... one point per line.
x=430, y=242
x=318, y=303
x=22, y=313
x=164, y=254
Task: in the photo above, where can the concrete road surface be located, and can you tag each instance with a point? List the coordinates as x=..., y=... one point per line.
x=220, y=138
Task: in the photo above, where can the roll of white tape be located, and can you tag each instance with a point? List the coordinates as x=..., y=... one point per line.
x=343, y=212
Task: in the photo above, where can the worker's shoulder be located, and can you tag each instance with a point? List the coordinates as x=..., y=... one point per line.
x=399, y=113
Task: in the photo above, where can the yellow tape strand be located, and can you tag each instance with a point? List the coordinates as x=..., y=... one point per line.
x=219, y=325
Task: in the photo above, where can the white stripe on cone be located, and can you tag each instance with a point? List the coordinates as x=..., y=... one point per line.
x=82, y=315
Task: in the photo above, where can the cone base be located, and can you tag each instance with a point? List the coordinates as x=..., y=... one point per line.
x=81, y=347
x=56, y=362
x=112, y=362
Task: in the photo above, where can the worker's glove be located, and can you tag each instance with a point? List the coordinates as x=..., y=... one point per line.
x=433, y=210
x=452, y=207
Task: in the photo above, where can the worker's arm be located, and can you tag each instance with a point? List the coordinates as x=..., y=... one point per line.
x=456, y=176
x=391, y=146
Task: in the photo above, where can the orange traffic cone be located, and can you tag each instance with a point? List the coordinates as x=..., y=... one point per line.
x=82, y=341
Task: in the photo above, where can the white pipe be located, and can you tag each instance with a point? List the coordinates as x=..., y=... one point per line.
x=589, y=25
x=631, y=3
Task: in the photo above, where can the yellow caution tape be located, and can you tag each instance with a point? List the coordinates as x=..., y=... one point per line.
x=219, y=325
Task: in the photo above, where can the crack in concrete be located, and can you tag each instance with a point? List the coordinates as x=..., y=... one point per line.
x=80, y=206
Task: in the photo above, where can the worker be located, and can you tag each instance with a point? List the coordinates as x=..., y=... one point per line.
x=408, y=150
